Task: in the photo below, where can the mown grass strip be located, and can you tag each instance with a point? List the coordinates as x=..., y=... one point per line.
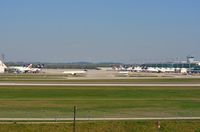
x=106, y=126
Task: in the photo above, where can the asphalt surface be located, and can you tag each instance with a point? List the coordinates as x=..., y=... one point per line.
x=90, y=84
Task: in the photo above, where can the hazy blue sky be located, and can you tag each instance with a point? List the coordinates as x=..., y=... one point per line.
x=99, y=30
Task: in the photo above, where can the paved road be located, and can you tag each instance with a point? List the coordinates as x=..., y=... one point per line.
x=90, y=84
x=98, y=119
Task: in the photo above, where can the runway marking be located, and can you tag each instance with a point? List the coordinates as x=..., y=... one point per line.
x=90, y=84
x=98, y=119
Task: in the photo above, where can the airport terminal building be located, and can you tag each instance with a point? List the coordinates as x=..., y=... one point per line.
x=190, y=64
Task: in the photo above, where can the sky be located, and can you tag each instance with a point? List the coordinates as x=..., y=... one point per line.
x=127, y=31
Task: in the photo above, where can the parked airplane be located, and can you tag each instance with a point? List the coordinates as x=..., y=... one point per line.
x=38, y=69
x=119, y=68
x=137, y=69
x=2, y=67
x=24, y=69
x=152, y=69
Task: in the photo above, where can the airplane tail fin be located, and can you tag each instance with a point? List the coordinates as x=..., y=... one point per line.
x=2, y=64
x=30, y=66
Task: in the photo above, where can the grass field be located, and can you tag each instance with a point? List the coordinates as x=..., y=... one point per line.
x=65, y=79
x=106, y=126
x=51, y=101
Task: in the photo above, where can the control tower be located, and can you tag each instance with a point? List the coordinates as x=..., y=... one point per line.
x=190, y=59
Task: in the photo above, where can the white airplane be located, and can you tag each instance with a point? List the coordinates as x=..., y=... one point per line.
x=119, y=68
x=77, y=72
x=130, y=68
x=137, y=69
x=2, y=67
x=168, y=70
x=38, y=69
x=152, y=69
x=123, y=73
x=24, y=69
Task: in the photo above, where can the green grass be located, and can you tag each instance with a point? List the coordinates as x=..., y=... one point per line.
x=52, y=101
x=106, y=126
x=65, y=79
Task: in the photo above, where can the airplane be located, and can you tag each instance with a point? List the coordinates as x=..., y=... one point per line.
x=152, y=69
x=137, y=69
x=124, y=72
x=24, y=69
x=119, y=68
x=76, y=72
x=38, y=69
x=20, y=69
x=2, y=67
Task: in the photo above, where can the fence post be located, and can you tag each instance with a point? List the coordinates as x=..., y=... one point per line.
x=158, y=125
x=74, y=123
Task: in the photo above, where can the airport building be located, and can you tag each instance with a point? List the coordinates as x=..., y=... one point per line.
x=190, y=59
x=190, y=64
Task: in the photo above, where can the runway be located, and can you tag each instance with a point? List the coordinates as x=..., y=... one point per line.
x=98, y=119
x=95, y=84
